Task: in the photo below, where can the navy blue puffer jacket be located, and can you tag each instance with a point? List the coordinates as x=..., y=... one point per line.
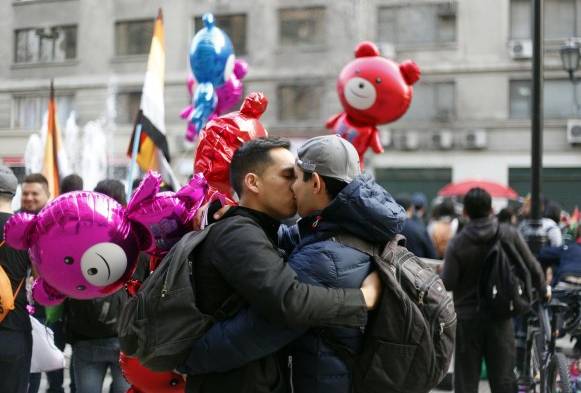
x=364, y=209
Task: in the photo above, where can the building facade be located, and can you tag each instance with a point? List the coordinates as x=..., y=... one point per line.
x=469, y=117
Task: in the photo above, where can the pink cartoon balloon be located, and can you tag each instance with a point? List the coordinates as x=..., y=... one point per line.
x=84, y=245
x=81, y=245
x=165, y=216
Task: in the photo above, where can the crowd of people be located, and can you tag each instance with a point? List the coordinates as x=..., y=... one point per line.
x=287, y=282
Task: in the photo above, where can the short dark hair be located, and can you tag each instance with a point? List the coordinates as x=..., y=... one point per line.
x=404, y=200
x=113, y=188
x=6, y=196
x=70, y=183
x=477, y=203
x=36, y=178
x=332, y=186
x=252, y=157
x=505, y=215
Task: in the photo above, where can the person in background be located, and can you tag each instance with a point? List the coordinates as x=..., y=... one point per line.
x=419, y=203
x=443, y=226
x=70, y=183
x=417, y=239
x=15, y=329
x=35, y=195
x=91, y=327
x=507, y=216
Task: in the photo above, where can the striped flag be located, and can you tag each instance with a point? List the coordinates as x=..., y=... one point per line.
x=54, y=161
x=152, y=151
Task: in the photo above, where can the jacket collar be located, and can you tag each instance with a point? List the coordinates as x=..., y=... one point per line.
x=268, y=224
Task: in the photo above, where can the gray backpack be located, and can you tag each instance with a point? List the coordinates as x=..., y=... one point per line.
x=159, y=324
x=409, y=338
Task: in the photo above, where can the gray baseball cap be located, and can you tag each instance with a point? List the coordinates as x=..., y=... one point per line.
x=331, y=156
x=8, y=181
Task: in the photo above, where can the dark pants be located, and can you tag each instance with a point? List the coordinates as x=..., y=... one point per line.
x=491, y=340
x=15, y=360
x=55, y=378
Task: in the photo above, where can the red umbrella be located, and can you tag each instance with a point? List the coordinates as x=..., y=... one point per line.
x=496, y=190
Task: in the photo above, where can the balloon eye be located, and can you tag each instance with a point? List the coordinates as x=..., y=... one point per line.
x=69, y=260
x=361, y=85
x=92, y=271
x=81, y=287
x=378, y=81
x=174, y=382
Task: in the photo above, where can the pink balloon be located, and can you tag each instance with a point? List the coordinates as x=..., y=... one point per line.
x=81, y=245
x=165, y=217
x=45, y=294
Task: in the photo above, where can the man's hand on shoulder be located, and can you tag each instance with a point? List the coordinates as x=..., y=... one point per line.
x=371, y=288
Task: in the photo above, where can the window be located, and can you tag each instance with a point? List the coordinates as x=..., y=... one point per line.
x=28, y=111
x=558, y=102
x=233, y=25
x=128, y=107
x=560, y=19
x=302, y=26
x=433, y=101
x=133, y=37
x=299, y=102
x=421, y=24
x=55, y=44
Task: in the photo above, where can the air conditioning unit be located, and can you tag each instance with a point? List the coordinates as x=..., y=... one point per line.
x=447, y=10
x=574, y=131
x=387, y=49
x=442, y=139
x=520, y=49
x=407, y=140
x=475, y=139
x=385, y=137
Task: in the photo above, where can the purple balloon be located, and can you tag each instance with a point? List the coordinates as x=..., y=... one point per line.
x=81, y=245
x=165, y=217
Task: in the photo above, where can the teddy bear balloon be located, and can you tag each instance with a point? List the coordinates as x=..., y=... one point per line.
x=373, y=90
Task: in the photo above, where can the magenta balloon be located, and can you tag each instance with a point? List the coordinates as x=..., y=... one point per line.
x=165, y=217
x=81, y=244
x=45, y=294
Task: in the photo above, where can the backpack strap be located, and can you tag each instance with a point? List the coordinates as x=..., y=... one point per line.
x=21, y=281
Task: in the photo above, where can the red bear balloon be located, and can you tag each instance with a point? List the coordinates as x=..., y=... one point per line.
x=373, y=90
x=143, y=380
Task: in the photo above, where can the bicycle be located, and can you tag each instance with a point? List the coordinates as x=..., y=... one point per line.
x=545, y=368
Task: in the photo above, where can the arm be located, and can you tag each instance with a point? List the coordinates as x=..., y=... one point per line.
x=451, y=270
x=235, y=342
x=259, y=274
x=537, y=275
x=550, y=256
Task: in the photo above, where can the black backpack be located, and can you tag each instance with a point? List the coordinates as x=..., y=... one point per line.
x=409, y=339
x=159, y=324
x=94, y=318
x=504, y=287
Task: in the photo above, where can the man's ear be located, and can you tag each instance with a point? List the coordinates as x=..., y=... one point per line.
x=318, y=184
x=252, y=183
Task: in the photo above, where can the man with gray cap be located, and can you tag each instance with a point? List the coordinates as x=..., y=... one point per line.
x=332, y=197
x=15, y=329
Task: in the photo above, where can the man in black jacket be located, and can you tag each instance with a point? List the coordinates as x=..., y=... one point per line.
x=477, y=334
x=240, y=255
x=15, y=329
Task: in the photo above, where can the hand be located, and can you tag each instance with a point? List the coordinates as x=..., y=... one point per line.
x=549, y=293
x=371, y=288
x=221, y=212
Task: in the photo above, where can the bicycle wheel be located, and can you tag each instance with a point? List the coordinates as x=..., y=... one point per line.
x=558, y=380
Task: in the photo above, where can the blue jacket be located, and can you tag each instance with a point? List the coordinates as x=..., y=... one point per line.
x=565, y=259
x=363, y=209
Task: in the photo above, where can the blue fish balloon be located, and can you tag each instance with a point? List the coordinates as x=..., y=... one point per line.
x=212, y=62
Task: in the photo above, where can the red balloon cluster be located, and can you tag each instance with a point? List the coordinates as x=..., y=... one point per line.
x=143, y=380
x=223, y=136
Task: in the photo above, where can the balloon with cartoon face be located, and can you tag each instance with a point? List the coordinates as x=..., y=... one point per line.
x=81, y=245
x=373, y=90
x=84, y=245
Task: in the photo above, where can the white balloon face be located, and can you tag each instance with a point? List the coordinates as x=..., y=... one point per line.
x=229, y=68
x=360, y=93
x=103, y=264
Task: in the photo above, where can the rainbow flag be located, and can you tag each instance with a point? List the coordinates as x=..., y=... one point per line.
x=54, y=154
